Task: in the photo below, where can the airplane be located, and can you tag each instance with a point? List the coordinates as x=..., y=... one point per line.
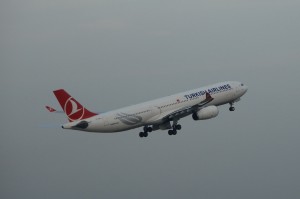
x=160, y=114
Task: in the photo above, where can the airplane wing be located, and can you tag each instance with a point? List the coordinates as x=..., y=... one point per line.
x=187, y=110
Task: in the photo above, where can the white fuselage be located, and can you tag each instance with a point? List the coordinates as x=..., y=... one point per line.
x=153, y=112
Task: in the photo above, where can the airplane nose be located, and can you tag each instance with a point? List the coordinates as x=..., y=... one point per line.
x=245, y=89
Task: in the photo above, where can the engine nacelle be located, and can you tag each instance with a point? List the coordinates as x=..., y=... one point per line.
x=206, y=113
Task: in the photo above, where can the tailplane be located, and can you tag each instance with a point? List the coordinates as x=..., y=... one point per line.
x=50, y=109
x=72, y=108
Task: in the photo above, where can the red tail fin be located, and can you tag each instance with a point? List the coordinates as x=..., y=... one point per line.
x=73, y=109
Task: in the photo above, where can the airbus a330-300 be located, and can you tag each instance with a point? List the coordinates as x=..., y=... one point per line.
x=160, y=114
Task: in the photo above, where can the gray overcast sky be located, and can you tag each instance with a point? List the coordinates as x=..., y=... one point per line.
x=110, y=54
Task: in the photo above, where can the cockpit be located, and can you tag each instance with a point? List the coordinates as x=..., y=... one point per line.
x=243, y=88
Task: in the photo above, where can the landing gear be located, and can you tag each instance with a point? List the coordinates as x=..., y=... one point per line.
x=174, y=129
x=231, y=108
x=172, y=132
x=178, y=127
x=146, y=130
x=143, y=134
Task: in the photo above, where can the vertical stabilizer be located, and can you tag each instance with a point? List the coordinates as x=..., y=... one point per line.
x=72, y=108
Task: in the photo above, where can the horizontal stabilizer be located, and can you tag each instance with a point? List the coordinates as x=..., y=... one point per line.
x=53, y=110
x=50, y=109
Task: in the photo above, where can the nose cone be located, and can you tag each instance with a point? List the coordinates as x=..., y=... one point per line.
x=244, y=89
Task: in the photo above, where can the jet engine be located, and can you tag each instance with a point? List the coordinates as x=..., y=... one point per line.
x=206, y=113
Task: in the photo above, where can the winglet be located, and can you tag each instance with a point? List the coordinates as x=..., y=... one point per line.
x=208, y=96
